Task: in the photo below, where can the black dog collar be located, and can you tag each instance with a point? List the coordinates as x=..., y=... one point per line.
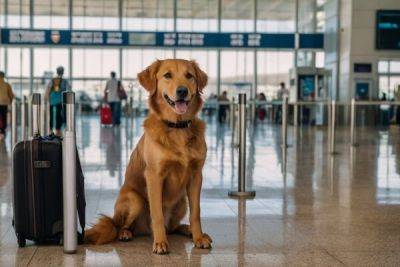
x=179, y=124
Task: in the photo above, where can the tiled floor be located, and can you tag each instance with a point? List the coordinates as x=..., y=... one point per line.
x=324, y=211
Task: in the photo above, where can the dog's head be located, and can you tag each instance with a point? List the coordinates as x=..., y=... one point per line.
x=175, y=86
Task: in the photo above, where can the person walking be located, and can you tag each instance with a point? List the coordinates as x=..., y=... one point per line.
x=223, y=106
x=6, y=97
x=113, y=97
x=282, y=92
x=53, y=96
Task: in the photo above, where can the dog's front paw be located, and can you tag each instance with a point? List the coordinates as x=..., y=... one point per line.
x=160, y=247
x=203, y=241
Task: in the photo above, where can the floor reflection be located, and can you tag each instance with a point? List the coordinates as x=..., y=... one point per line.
x=311, y=208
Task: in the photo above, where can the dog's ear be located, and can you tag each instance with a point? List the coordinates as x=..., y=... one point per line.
x=201, y=77
x=147, y=77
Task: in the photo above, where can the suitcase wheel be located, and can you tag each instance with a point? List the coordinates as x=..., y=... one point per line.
x=21, y=241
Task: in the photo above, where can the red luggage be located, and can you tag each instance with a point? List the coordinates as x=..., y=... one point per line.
x=262, y=113
x=105, y=115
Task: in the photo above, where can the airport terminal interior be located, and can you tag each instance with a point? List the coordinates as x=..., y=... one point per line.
x=318, y=139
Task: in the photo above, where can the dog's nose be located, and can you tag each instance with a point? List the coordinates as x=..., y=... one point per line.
x=181, y=92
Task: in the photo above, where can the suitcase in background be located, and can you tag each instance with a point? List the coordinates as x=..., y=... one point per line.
x=105, y=115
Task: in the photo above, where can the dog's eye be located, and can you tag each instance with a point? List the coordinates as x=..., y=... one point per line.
x=167, y=75
x=189, y=76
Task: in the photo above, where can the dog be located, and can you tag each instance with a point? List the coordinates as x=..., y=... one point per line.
x=164, y=173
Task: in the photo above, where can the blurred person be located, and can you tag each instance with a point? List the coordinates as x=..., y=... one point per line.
x=282, y=91
x=6, y=97
x=262, y=112
x=55, y=89
x=113, y=86
x=223, y=106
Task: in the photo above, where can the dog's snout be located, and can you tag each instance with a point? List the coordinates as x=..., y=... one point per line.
x=182, y=92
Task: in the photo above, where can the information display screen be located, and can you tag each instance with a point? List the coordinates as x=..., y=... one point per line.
x=388, y=29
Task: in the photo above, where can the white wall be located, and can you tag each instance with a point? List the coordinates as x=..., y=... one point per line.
x=358, y=19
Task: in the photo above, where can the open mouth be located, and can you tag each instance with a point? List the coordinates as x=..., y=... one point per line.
x=180, y=106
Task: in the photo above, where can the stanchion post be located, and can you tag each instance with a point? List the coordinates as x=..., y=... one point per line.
x=353, y=122
x=242, y=153
x=14, y=126
x=69, y=176
x=295, y=114
x=35, y=115
x=284, y=121
x=333, y=127
x=232, y=113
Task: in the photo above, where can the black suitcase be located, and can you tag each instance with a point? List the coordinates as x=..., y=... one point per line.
x=38, y=201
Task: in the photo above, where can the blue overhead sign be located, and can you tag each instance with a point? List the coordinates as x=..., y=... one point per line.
x=157, y=39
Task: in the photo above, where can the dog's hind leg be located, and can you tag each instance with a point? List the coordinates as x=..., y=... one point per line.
x=128, y=207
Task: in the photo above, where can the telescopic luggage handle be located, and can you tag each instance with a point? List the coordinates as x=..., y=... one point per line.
x=69, y=176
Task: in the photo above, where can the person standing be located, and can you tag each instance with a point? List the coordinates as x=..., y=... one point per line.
x=6, y=97
x=282, y=92
x=113, y=86
x=53, y=95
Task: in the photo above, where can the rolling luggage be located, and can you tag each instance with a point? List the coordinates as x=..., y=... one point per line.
x=105, y=115
x=38, y=194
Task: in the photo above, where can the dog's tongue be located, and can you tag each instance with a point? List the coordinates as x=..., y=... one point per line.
x=181, y=107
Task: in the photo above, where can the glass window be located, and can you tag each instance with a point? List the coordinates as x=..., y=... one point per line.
x=237, y=16
x=236, y=67
x=320, y=16
x=394, y=84
x=320, y=59
x=48, y=59
x=307, y=16
x=140, y=15
x=395, y=66
x=272, y=69
x=18, y=13
x=276, y=16
x=94, y=88
x=51, y=14
x=384, y=86
x=94, y=63
x=383, y=66
x=18, y=62
x=95, y=14
x=136, y=60
x=197, y=15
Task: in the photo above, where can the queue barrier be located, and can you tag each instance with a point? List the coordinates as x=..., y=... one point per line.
x=353, y=109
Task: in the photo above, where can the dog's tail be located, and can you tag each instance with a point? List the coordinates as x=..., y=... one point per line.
x=104, y=231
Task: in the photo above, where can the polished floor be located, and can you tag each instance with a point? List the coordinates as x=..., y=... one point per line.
x=315, y=210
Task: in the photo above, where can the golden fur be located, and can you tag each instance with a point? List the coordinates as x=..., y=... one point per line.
x=164, y=174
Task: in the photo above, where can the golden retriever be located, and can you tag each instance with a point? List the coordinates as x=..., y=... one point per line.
x=165, y=169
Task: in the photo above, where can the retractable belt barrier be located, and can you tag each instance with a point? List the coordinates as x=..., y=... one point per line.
x=241, y=192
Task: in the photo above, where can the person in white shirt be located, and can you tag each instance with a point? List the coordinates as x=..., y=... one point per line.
x=112, y=97
x=283, y=91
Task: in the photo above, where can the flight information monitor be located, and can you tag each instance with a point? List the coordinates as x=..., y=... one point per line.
x=388, y=29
